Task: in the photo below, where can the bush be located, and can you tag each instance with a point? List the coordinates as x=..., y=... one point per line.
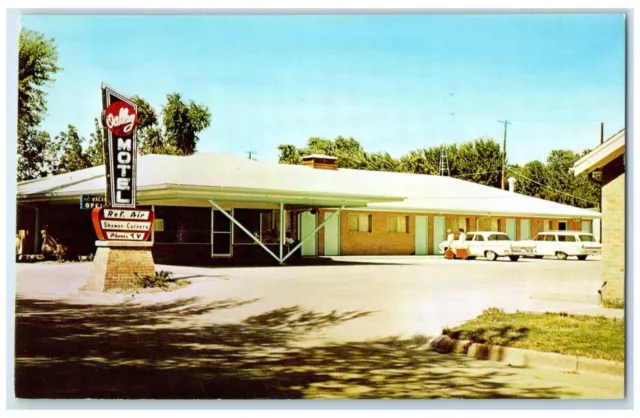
x=613, y=303
x=160, y=279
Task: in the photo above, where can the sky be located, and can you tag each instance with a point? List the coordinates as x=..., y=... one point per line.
x=395, y=83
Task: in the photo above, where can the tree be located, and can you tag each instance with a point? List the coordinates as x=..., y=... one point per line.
x=531, y=178
x=150, y=140
x=479, y=161
x=182, y=123
x=37, y=155
x=289, y=154
x=379, y=161
x=37, y=64
x=95, y=151
x=73, y=157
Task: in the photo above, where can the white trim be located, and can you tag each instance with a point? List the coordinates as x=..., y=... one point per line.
x=417, y=211
x=602, y=155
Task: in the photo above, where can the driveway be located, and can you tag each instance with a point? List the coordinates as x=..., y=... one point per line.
x=355, y=329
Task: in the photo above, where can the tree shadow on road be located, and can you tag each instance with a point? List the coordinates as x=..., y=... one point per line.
x=170, y=351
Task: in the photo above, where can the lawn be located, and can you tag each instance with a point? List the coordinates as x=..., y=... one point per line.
x=587, y=336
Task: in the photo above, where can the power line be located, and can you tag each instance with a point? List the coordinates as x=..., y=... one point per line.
x=551, y=188
x=476, y=174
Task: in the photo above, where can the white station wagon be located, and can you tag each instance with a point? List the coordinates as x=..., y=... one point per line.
x=563, y=244
x=492, y=244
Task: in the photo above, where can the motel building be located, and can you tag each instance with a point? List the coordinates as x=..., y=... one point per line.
x=217, y=208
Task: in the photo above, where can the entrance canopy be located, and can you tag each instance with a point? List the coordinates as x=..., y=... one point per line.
x=229, y=180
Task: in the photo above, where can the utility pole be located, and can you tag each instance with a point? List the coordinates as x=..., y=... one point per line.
x=251, y=153
x=504, y=152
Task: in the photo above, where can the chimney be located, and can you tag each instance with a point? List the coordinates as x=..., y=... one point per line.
x=323, y=162
x=512, y=183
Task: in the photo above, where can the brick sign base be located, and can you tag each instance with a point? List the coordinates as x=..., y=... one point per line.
x=116, y=263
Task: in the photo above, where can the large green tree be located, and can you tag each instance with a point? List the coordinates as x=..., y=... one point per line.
x=182, y=123
x=37, y=155
x=37, y=65
x=479, y=161
x=72, y=156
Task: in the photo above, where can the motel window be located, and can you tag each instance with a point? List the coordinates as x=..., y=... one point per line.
x=544, y=226
x=182, y=225
x=270, y=225
x=492, y=224
x=360, y=223
x=461, y=222
x=562, y=225
x=398, y=224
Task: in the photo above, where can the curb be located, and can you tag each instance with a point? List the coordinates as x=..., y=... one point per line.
x=519, y=357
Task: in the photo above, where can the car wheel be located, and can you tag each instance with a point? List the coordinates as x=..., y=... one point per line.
x=514, y=257
x=491, y=256
x=471, y=257
x=582, y=257
x=561, y=255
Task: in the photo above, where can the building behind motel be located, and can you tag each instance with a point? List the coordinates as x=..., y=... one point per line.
x=609, y=160
x=208, y=205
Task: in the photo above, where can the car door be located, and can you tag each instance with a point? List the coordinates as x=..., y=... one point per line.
x=478, y=246
x=470, y=243
x=541, y=245
x=550, y=244
x=567, y=243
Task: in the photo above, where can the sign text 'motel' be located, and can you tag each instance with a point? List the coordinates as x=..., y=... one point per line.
x=120, y=119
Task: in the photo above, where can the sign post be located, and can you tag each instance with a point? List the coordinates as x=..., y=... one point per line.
x=122, y=230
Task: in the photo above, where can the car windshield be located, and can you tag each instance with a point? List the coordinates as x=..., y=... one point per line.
x=499, y=237
x=587, y=238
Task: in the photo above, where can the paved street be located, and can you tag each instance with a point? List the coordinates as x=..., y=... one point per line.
x=354, y=328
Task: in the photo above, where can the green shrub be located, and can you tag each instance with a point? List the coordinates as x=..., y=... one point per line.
x=613, y=303
x=160, y=279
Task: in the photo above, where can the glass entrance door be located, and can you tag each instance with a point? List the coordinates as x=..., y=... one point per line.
x=221, y=235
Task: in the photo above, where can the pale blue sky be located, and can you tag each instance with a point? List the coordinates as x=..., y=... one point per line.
x=395, y=83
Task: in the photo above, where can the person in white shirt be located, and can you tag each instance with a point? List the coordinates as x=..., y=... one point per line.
x=462, y=237
x=450, y=238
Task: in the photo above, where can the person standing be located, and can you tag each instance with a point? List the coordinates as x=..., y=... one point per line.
x=450, y=238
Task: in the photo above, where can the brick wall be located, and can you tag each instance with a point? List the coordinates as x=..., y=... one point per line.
x=613, y=230
x=376, y=242
x=380, y=242
x=116, y=267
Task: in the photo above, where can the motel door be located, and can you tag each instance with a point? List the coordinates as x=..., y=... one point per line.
x=511, y=228
x=525, y=229
x=422, y=235
x=439, y=231
x=332, y=235
x=308, y=225
x=222, y=234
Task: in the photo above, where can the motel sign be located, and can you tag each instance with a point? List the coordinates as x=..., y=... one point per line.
x=120, y=118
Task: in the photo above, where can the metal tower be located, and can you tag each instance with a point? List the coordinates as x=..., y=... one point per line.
x=444, y=162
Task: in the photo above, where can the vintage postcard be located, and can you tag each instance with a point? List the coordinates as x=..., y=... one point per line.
x=320, y=206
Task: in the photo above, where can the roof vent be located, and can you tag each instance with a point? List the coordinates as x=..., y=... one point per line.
x=512, y=183
x=323, y=162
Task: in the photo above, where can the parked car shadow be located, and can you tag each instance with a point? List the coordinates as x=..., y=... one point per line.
x=170, y=351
